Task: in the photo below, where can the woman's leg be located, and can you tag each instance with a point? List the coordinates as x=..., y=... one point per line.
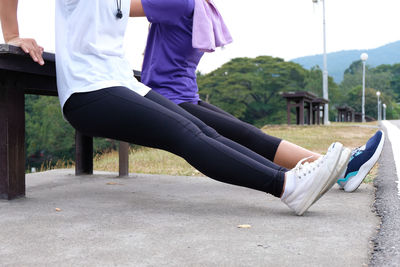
x=121, y=114
x=289, y=154
x=279, y=151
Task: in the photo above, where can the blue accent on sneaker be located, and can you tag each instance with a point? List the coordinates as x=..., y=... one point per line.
x=361, y=162
x=348, y=176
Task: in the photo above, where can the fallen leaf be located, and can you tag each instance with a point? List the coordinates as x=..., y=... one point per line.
x=111, y=183
x=58, y=209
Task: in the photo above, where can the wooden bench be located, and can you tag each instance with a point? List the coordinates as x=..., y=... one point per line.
x=348, y=114
x=358, y=117
x=345, y=114
x=304, y=101
x=318, y=108
x=19, y=75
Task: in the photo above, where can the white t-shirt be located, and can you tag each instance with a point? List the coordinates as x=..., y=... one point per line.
x=89, y=47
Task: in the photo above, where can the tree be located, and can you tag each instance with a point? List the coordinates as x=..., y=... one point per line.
x=46, y=130
x=371, y=109
x=383, y=78
x=250, y=88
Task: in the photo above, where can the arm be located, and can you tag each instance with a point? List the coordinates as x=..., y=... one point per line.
x=9, y=24
x=136, y=9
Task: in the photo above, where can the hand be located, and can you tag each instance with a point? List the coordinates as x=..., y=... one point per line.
x=30, y=47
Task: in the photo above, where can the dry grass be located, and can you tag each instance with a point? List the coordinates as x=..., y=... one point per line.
x=315, y=138
x=318, y=138
x=147, y=160
x=49, y=165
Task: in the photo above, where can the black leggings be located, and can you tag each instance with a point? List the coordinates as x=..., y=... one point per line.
x=154, y=121
x=231, y=127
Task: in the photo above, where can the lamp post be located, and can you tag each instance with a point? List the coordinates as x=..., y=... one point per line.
x=384, y=111
x=364, y=57
x=378, y=94
x=325, y=70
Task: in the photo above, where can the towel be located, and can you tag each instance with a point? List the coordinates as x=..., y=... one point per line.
x=209, y=29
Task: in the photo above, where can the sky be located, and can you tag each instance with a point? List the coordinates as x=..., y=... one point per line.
x=280, y=28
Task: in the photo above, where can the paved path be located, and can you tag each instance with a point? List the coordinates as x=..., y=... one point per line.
x=387, y=242
x=152, y=220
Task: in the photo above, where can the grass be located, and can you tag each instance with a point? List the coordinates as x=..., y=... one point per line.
x=318, y=138
x=315, y=138
x=146, y=160
x=50, y=165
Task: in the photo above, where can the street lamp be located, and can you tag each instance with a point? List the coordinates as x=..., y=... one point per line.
x=378, y=94
x=384, y=111
x=364, y=57
x=325, y=70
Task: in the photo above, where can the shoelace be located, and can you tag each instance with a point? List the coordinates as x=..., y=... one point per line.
x=357, y=151
x=302, y=169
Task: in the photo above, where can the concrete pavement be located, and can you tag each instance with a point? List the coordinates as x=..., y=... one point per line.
x=153, y=220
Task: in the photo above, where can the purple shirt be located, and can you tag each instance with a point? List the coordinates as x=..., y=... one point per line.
x=170, y=61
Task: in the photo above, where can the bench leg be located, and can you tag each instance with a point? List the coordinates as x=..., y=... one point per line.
x=12, y=143
x=301, y=112
x=123, y=159
x=318, y=114
x=83, y=154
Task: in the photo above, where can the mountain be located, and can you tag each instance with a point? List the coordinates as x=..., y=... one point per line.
x=338, y=62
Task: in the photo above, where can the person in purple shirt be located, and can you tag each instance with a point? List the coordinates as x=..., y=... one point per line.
x=169, y=68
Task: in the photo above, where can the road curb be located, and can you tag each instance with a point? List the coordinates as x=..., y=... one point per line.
x=386, y=244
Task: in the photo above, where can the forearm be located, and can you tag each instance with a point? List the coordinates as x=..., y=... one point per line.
x=9, y=21
x=9, y=25
x=137, y=9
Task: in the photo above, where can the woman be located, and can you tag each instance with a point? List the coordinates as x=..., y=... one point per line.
x=178, y=35
x=100, y=97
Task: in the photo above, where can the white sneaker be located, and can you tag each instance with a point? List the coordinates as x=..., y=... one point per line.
x=340, y=168
x=310, y=179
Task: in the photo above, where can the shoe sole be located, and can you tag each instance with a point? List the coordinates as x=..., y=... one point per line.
x=356, y=181
x=326, y=178
x=341, y=166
